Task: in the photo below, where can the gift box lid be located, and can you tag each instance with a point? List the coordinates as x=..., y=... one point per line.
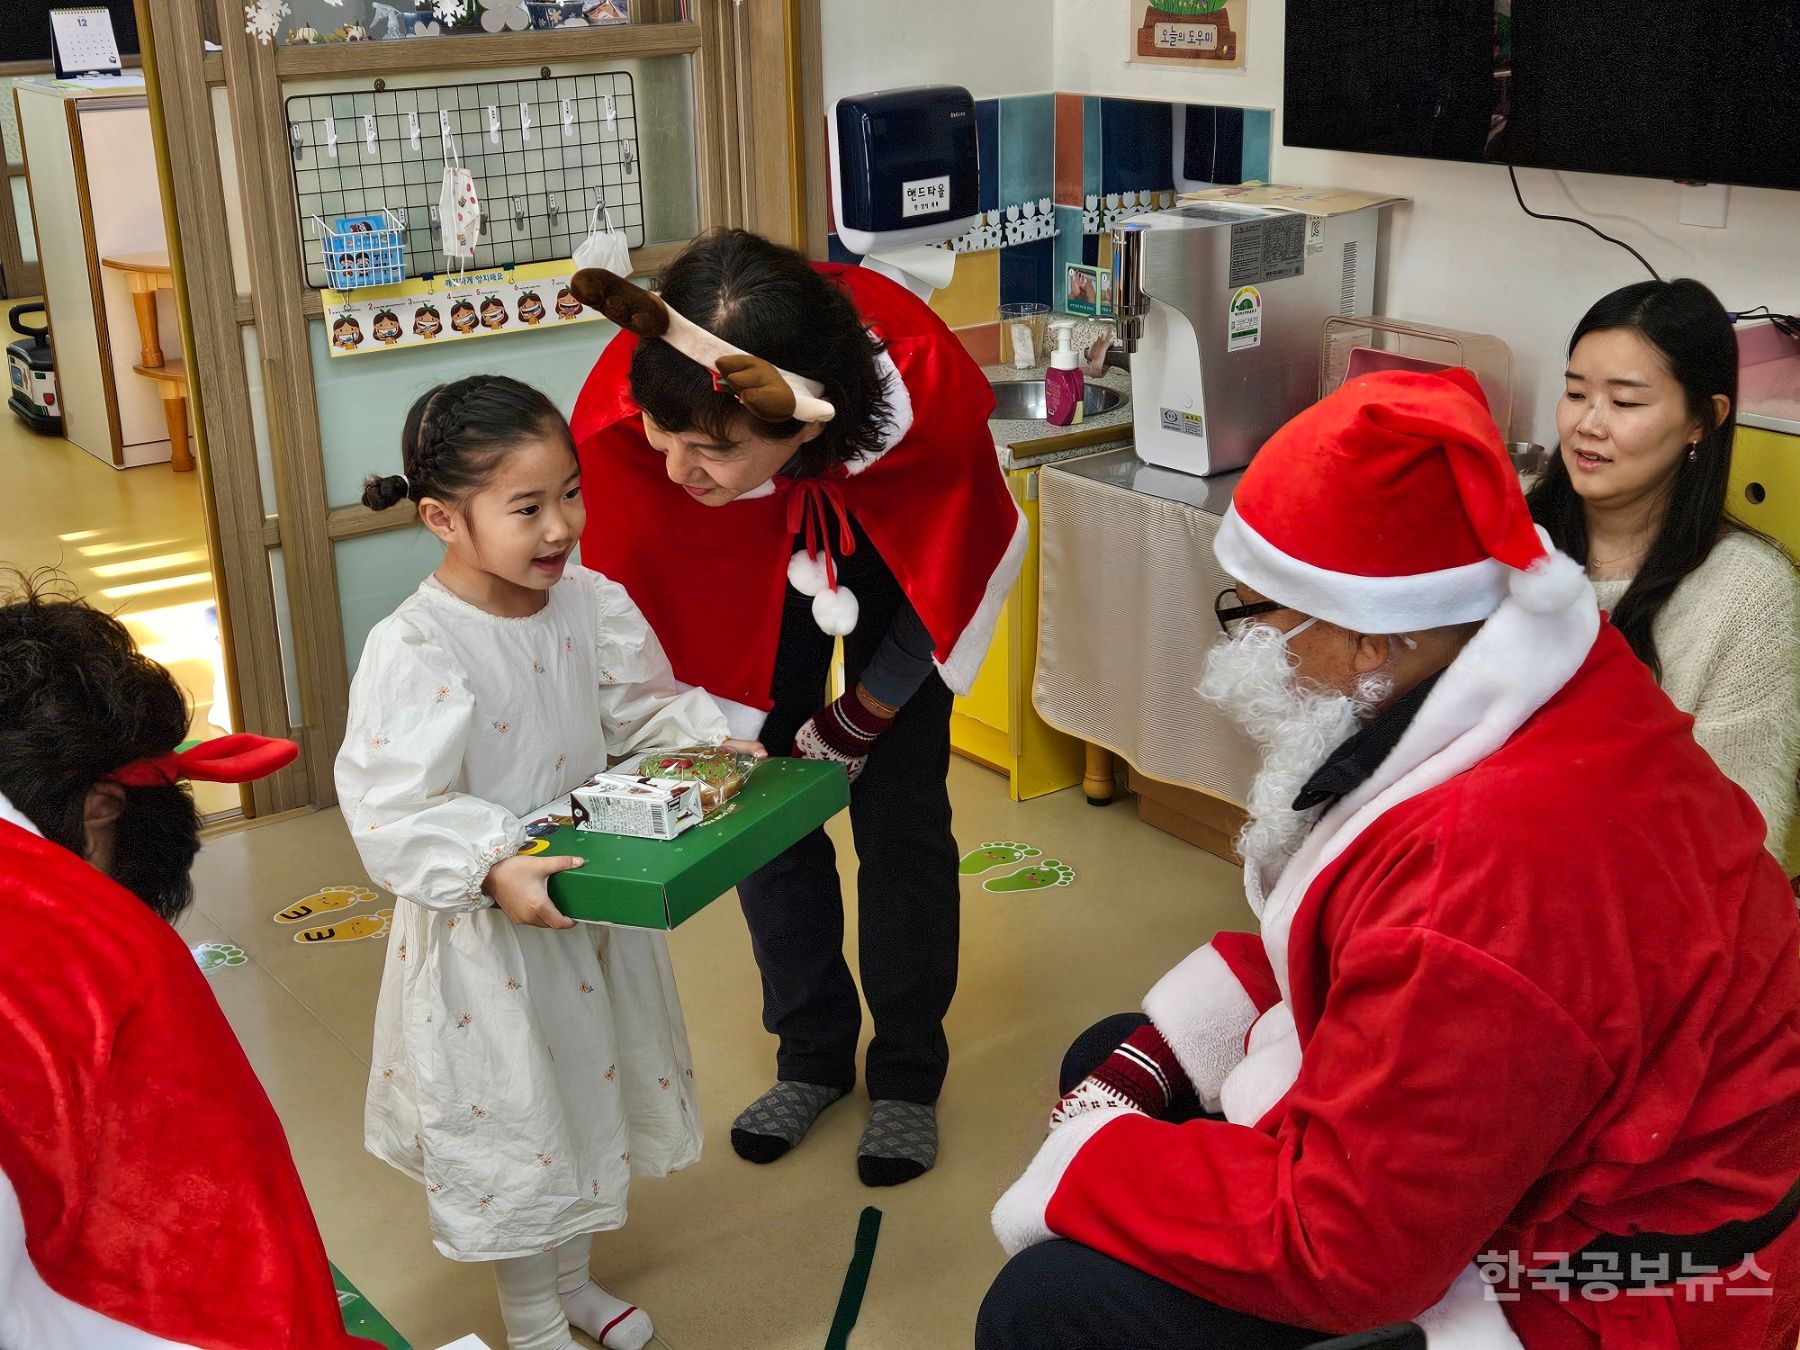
x=658, y=883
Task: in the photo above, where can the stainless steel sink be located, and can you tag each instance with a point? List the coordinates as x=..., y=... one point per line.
x=1023, y=400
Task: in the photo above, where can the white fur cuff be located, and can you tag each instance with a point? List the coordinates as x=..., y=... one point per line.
x=1264, y=1075
x=1466, y=1318
x=1018, y=1216
x=1203, y=1013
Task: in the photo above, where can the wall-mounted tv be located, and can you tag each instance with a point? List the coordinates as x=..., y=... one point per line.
x=1703, y=92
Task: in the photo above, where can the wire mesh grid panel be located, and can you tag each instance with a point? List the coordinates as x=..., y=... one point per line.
x=543, y=154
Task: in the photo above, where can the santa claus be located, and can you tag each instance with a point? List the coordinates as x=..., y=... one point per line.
x=147, y=1198
x=1516, y=1052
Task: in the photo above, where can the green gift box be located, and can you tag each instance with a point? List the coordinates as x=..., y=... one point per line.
x=657, y=883
x=360, y=1317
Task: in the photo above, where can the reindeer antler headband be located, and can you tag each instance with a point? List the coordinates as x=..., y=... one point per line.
x=769, y=392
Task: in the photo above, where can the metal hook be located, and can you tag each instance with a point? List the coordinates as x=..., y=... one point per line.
x=518, y=213
x=628, y=156
x=299, y=139
x=554, y=209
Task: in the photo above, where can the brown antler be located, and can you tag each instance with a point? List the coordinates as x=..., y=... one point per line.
x=769, y=392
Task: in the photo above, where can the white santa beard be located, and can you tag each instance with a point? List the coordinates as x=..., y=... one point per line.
x=1251, y=677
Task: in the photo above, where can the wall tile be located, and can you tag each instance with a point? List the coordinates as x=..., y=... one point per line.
x=1228, y=164
x=973, y=295
x=1136, y=146
x=1067, y=246
x=1199, y=142
x=1258, y=134
x=1027, y=271
x=1070, y=159
x=1027, y=148
x=987, y=131
x=1090, y=147
x=982, y=342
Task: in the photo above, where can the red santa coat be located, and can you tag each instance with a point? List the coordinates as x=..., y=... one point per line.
x=147, y=1197
x=933, y=502
x=1539, y=992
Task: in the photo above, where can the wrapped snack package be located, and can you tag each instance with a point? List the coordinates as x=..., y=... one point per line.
x=720, y=773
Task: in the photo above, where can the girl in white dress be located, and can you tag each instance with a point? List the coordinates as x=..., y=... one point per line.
x=524, y=1066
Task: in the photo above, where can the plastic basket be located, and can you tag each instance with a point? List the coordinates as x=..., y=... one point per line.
x=362, y=250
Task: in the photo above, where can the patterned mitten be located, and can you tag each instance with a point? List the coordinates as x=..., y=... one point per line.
x=1142, y=1074
x=843, y=732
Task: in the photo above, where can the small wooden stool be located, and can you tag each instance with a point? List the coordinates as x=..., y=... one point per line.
x=146, y=274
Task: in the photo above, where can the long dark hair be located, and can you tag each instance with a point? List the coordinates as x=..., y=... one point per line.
x=456, y=433
x=77, y=702
x=771, y=302
x=1685, y=322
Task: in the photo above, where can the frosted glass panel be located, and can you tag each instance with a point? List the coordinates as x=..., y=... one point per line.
x=259, y=419
x=284, y=632
x=375, y=573
x=21, y=195
x=363, y=400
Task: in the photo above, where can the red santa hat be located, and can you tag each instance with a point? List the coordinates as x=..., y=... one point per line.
x=1391, y=506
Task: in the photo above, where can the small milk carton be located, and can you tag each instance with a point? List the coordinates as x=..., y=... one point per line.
x=644, y=808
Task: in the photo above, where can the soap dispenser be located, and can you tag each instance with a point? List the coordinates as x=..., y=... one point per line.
x=1064, y=385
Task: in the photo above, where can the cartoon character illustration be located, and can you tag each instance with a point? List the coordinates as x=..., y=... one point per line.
x=531, y=309
x=361, y=227
x=567, y=306
x=386, y=329
x=346, y=333
x=462, y=316
x=426, y=322
x=493, y=312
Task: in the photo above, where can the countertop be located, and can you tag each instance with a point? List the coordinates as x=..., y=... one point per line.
x=1031, y=444
x=1123, y=469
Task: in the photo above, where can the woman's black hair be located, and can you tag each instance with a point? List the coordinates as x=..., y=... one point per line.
x=456, y=433
x=771, y=302
x=78, y=701
x=1685, y=322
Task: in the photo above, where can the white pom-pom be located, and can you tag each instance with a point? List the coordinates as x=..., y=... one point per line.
x=836, y=611
x=806, y=573
x=1553, y=583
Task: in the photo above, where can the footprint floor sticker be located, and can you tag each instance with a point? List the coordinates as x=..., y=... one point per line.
x=350, y=930
x=327, y=901
x=1038, y=877
x=211, y=956
x=989, y=856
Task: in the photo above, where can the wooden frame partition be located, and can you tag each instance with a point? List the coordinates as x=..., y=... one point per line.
x=751, y=76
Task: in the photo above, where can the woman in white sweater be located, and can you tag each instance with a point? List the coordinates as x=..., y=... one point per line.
x=1637, y=493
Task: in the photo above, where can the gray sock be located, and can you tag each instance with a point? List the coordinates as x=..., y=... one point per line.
x=899, y=1143
x=779, y=1119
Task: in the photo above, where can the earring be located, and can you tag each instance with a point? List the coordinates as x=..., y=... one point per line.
x=1693, y=451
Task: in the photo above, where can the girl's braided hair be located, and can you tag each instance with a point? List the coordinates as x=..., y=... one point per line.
x=456, y=433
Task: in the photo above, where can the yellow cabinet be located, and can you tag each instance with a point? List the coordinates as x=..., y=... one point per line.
x=995, y=724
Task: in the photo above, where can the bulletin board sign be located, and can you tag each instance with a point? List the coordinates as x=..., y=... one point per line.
x=1198, y=34
x=452, y=308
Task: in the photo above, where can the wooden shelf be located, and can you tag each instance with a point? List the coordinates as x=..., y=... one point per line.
x=464, y=51
x=147, y=264
x=170, y=372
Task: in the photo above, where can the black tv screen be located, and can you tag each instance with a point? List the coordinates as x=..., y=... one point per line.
x=1702, y=92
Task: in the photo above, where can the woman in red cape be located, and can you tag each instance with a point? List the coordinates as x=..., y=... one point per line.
x=751, y=546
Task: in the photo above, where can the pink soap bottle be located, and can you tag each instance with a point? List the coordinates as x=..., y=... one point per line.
x=1065, y=388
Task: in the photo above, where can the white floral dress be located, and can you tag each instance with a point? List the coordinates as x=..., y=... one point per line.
x=522, y=1074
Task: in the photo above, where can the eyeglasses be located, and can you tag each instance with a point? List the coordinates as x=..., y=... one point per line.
x=1229, y=608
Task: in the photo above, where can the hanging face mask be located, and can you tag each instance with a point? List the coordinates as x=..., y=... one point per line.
x=604, y=247
x=459, y=207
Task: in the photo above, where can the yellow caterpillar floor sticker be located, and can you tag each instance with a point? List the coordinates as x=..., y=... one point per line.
x=350, y=930
x=327, y=901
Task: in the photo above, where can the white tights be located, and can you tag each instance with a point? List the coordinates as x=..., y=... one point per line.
x=540, y=1293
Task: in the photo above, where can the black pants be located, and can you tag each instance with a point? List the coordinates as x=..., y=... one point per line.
x=908, y=902
x=1060, y=1295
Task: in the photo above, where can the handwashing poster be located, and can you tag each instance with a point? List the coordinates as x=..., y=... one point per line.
x=449, y=308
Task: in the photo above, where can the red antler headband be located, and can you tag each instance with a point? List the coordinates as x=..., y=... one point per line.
x=768, y=391
x=240, y=758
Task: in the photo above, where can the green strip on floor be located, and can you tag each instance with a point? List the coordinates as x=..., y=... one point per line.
x=856, y=1280
x=360, y=1317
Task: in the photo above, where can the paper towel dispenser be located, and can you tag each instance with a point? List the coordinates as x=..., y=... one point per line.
x=905, y=166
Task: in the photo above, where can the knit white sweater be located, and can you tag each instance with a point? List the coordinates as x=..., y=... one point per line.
x=1729, y=640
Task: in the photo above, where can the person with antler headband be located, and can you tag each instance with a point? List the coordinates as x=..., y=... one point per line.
x=147, y=1196
x=816, y=441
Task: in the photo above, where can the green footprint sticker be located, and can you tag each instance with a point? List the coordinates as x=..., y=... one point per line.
x=1040, y=877
x=989, y=856
x=211, y=956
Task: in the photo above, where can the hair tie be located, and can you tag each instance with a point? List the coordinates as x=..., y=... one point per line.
x=238, y=758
